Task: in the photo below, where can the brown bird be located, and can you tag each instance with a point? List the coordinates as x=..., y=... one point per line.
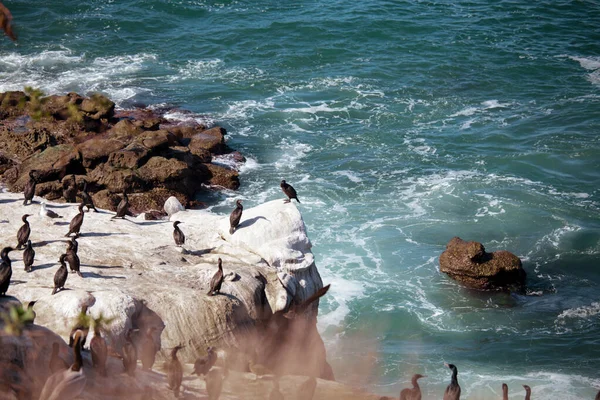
x=174, y=371
x=453, y=390
x=61, y=274
x=289, y=191
x=28, y=256
x=129, y=354
x=72, y=245
x=5, y=22
x=74, y=262
x=203, y=364
x=5, y=270
x=123, y=207
x=178, y=235
x=300, y=309
x=415, y=392
x=23, y=232
x=275, y=393
x=31, y=311
x=86, y=199
x=99, y=351
x=528, y=392
x=217, y=280
x=82, y=324
x=67, y=384
x=56, y=362
x=75, y=225
x=148, y=349
x=306, y=391
x=29, y=190
x=70, y=189
x=504, y=391
x=235, y=217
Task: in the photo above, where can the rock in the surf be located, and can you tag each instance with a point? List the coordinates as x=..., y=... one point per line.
x=470, y=264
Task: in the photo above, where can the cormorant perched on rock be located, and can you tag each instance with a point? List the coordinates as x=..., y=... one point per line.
x=129, y=354
x=504, y=391
x=56, y=362
x=72, y=245
x=23, y=232
x=123, y=207
x=178, y=236
x=46, y=214
x=86, y=199
x=60, y=277
x=174, y=371
x=289, y=191
x=203, y=364
x=99, y=351
x=70, y=190
x=214, y=383
x=275, y=393
x=28, y=255
x=453, y=390
x=67, y=384
x=73, y=260
x=5, y=270
x=75, y=225
x=528, y=392
x=29, y=190
x=148, y=349
x=235, y=217
x=306, y=391
x=217, y=280
x=415, y=392
x=82, y=324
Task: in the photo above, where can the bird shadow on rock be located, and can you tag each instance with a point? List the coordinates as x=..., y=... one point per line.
x=4, y=201
x=61, y=205
x=16, y=282
x=249, y=222
x=100, y=234
x=95, y=275
x=45, y=242
x=199, y=252
x=61, y=223
x=43, y=266
x=101, y=266
x=149, y=222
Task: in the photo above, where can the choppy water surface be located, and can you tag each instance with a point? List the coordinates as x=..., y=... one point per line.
x=401, y=124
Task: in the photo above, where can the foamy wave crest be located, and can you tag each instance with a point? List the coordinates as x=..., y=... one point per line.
x=591, y=64
x=583, y=312
x=216, y=69
x=184, y=116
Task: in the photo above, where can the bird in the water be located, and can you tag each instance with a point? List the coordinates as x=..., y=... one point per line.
x=289, y=191
x=148, y=349
x=86, y=199
x=129, y=354
x=275, y=393
x=203, y=364
x=5, y=270
x=75, y=225
x=47, y=214
x=504, y=391
x=214, y=383
x=217, y=280
x=123, y=207
x=99, y=350
x=528, y=393
x=28, y=256
x=174, y=371
x=23, y=232
x=29, y=190
x=61, y=274
x=235, y=217
x=82, y=324
x=56, y=362
x=178, y=235
x=70, y=189
x=415, y=392
x=453, y=390
x=67, y=384
x=306, y=391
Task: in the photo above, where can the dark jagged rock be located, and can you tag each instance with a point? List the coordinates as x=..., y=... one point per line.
x=470, y=264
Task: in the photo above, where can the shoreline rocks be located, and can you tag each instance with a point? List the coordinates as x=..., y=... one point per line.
x=470, y=264
x=61, y=136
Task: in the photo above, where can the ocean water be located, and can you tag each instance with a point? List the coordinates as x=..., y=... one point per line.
x=401, y=124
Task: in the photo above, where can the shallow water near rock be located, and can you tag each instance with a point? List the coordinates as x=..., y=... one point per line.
x=401, y=125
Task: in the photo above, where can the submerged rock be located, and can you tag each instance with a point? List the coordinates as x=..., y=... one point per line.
x=470, y=264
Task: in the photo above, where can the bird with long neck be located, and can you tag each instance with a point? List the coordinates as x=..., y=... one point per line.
x=528, y=393
x=178, y=235
x=99, y=350
x=60, y=276
x=415, y=392
x=82, y=324
x=67, y=384
x=504, y=391
x=289, y=191
x=28, y=256
x=29, y=190
x=203, y=364
x=235, y=217
x=23, y=232
x=70, y=189
x=453, y=390
x=217, y=280
x=5, y=270
x=174, y=371
x=76, y=222
x=86, y=199
x=123, y=207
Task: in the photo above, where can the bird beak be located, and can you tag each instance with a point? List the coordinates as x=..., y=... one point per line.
x=446, y=365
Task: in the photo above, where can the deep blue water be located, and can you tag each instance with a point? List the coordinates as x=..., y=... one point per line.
x=401, y=124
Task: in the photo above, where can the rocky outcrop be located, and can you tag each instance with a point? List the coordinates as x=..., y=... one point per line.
x=135, y=149
x=470, y=264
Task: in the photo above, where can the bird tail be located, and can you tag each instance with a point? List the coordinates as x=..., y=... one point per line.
x=54, y=290
x=231, y=230
x=297, y=200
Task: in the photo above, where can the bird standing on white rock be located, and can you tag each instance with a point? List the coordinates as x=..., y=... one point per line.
x=47, y=214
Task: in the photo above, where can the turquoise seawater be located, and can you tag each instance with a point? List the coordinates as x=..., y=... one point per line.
x=401, y=124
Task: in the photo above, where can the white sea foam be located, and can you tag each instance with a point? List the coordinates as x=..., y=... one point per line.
x=352, y=176
x=591, y=64
x=583, y=312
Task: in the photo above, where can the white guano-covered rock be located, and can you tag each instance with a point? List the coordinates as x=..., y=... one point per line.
x=172, y=206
